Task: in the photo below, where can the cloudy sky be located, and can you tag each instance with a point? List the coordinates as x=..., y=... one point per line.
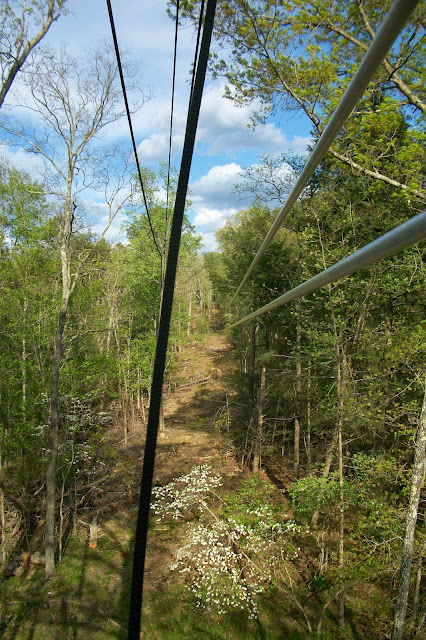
x=224, y=146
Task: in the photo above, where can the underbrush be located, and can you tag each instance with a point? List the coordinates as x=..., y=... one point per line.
x=244, y=565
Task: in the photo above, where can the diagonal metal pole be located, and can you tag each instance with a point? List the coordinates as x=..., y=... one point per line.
x=406, y=235
x=398, y=15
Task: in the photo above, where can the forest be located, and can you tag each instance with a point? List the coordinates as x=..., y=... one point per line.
x=289, y=491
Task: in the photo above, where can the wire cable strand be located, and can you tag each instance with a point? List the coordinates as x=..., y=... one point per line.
x=123, y=88
x=406, y=235
x=194, y=64
x=163, y=331
x=171, y=126
x=393, y=24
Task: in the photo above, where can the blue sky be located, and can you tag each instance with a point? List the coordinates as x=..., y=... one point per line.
x=224, y=144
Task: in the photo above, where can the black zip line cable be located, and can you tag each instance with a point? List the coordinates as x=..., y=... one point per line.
x=194, y=68
x=171, y=125
x=194, y=64
x=123, y=88
x=134, y=623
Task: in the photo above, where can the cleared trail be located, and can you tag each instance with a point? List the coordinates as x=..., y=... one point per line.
x=190, y=439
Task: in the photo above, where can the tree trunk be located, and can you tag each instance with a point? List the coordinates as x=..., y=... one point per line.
x=93, y=533
x=125, y=404
x=308, y=418
x=143, y=409
x=188, y=326
x=67, y=287
x=24, y=361
x=410, y=527
x=418, y=581
x=257, y=456
x=327, y=466
x=2, y=518
x=387, y=374
x=252, y=361
x=138, y=392
x=341, y=557
x=54, y=441
x=111, y=326
x=161, y=425
x=298, y=392
x=228, y=418
x=24, y=379
x=276, y=421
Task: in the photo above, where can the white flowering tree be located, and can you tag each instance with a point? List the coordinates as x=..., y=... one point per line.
x=233, y=553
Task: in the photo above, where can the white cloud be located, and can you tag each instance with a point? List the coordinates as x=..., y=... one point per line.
x=299, y=145
x=214, y=189
x=222, y=111
x=213, y=200
x=156, y=147
x=22, y=160
x=209, y=242
x=153, y=149
x=210, y=220
x=223, y=128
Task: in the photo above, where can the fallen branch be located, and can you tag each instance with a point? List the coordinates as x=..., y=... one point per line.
x=90, y=485
x=192, y=384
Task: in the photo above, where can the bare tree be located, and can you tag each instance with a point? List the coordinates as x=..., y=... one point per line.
x=271, y=180
x=72, y=100
x=22, y=26
x=417, y=478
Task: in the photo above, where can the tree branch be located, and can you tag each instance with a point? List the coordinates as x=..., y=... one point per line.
x=376, y=174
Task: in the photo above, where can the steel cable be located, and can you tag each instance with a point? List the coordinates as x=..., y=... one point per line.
x=393, y=24
x=123, y=88
x=171, y=126
x=163, y=331
x=194, y=64
x=407, y=234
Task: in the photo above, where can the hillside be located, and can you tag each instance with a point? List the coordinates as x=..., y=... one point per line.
x=87, y=598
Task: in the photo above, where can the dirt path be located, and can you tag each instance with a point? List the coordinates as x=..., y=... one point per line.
x=190, y=439
x=189, y=412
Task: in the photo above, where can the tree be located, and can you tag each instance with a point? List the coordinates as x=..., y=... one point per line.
x=28, y=272
x=300, y=56
x=345, y=361
x=272, y=179
x=22, y=26
x=75, y=100
x=142, y=287
x=418, y=475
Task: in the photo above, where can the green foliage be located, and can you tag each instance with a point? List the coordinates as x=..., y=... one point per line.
x=109, y=341
x=254, y=494
x=300, y=56
x=359, y=343
x=318, y=493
